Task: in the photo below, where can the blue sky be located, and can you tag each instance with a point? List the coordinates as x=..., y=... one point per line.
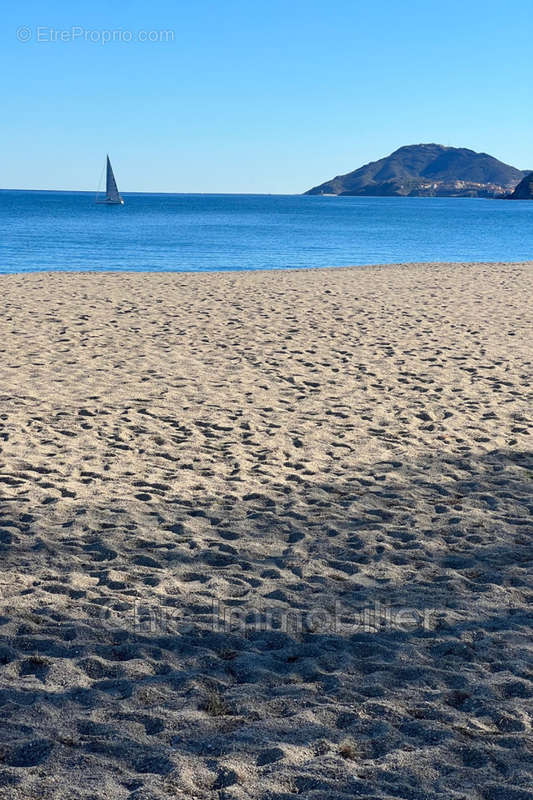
x=262, y=96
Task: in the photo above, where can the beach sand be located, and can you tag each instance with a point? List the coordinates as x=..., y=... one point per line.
x=267, y=535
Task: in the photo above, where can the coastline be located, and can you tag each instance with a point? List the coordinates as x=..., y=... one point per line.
x=347, y=450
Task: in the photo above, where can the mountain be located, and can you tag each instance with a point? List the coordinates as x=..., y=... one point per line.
x=524, y=190
x=419, y=170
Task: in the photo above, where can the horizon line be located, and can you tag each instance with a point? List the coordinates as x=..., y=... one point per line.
x=130, y=192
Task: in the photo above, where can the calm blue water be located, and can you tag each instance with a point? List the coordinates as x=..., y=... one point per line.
x=68, y=231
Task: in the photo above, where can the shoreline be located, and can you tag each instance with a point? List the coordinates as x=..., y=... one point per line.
x=283, y=270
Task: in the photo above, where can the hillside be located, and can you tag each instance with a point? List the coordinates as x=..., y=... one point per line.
x=524, y=190
x=427, y=170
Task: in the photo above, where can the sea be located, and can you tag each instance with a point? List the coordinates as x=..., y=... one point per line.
x=48, y=230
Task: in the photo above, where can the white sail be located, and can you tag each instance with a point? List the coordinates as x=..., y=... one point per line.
x=112, y=195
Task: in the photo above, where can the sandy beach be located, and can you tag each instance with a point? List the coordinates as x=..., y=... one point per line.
x=267, y=535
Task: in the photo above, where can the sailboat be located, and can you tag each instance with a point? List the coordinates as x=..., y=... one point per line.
x=112, y=196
